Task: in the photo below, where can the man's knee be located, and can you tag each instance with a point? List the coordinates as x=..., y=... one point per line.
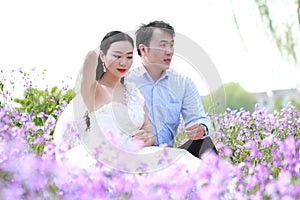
x=199, y=147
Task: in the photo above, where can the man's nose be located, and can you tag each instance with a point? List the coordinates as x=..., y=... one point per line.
x=169, y=50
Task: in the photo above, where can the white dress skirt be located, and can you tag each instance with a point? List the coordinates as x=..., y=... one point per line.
x=108, y=139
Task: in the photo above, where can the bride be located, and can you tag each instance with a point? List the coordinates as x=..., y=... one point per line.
x=107, y=121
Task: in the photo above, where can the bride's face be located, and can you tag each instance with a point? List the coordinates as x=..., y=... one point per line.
x=119, y=58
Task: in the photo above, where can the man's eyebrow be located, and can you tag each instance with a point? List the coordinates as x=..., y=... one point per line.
x=166, y=41
x=120, y=52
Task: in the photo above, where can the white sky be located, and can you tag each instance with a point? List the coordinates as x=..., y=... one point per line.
x=55, y=35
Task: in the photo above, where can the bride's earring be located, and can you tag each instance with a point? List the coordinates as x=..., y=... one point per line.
x=104, y=67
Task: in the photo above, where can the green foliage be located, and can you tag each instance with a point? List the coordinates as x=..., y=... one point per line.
x=1, y=90
x=5, y=97
x=279, y=103
x=295, y=103
x=179, y=138
x=215, y=102
x=235, y=98
x=284, y=33
x=43, y=101
x=283, y=29
x=42, y=105
x=251, y=137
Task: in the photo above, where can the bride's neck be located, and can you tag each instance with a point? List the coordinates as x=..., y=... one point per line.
x=109, y=82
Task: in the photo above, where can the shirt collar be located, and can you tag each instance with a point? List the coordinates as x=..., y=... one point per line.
x=144, y=72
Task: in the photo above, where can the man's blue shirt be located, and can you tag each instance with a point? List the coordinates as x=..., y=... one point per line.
x=171, y=95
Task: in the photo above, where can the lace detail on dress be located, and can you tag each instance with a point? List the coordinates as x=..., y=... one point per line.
x=71, y=134
x=129, y=117
x=115, y=120
x=68, y=129
x=118, y=121
x=135, y=104
x=133, y=94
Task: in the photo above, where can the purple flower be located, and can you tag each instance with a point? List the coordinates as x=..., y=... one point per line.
x=38, y=140
x=267, y=141
x=6, y=119
x=49, y=149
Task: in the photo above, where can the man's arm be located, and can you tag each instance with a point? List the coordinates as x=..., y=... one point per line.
x=193, y=113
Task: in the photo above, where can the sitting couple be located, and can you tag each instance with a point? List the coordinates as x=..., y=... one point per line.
x=128, y=119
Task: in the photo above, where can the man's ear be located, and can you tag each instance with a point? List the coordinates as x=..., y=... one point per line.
x=143, y=49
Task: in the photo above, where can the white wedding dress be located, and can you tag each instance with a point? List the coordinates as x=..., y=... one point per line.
x=109, y=141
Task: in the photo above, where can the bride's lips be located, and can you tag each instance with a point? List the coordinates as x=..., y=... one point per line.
x=122, y=70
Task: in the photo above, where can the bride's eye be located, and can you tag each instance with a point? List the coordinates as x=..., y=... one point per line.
x=117, y=56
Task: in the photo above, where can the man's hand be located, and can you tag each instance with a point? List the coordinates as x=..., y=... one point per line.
x=195, y=131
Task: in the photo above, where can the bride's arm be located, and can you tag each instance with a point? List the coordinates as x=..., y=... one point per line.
x=145, y=133
x=88, y=81
x=147, y=127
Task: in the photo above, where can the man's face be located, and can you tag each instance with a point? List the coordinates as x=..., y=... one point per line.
x=160, y=51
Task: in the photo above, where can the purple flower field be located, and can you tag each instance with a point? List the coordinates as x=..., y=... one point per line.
x=259, y=158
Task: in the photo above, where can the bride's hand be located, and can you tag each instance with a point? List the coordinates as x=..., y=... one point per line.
x=144, y=136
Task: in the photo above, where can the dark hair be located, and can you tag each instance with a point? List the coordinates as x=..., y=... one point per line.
x=109, y=38
x=144, y=33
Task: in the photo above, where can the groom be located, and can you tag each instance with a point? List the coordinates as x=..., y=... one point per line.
x=169, y=94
